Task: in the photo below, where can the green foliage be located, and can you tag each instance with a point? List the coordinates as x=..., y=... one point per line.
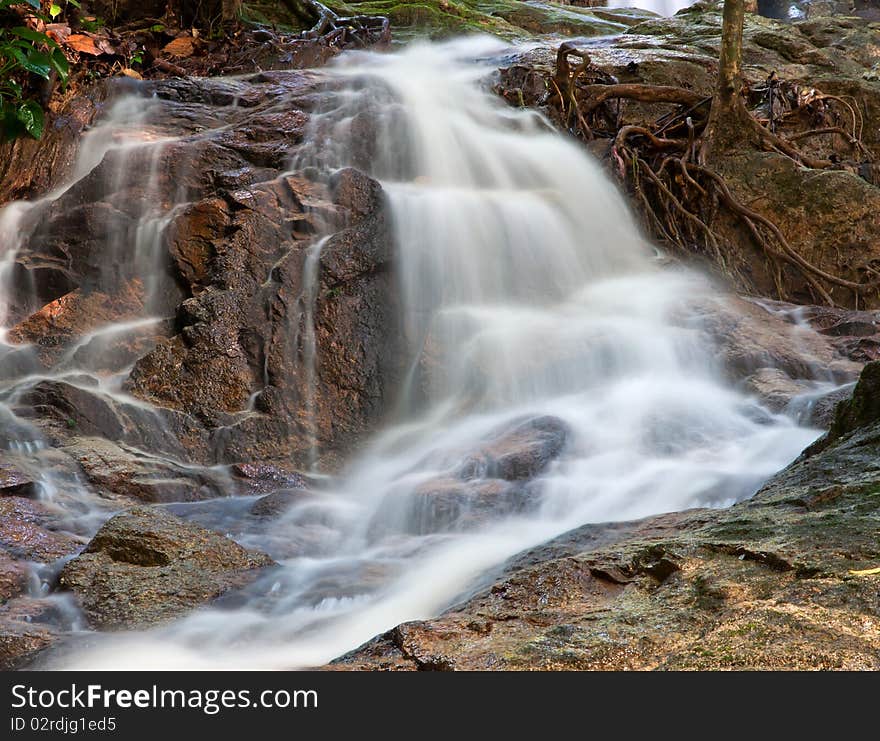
x=26, y=54
x=91, y=25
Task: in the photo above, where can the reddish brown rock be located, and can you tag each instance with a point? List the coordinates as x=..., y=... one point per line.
x=75, y=314
x=146, y=566
x=15, y=483
x=20, y=642
x=24, y=532
x=13, y=578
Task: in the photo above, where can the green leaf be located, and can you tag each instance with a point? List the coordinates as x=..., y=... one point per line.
x=10, y=126
x=60, y=63
x=34, y=61
x=31, y=35
x=74, y=3
x=54, y=10
x=31, y=116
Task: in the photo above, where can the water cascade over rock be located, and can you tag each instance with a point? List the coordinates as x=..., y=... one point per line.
x=434, y=306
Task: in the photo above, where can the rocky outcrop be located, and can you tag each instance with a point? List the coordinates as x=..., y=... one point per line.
x=145, y=566
x=15, y=483
x=861, y=410
x=30, y=167
x=261, y=361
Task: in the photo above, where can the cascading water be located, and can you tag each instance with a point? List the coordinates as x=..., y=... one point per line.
x=99, y=360
x=558, y=376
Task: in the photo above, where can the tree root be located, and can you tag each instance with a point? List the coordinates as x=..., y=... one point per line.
x=681, y=196
x=333, y=29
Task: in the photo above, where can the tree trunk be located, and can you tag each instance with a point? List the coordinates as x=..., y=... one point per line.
x=729, y=121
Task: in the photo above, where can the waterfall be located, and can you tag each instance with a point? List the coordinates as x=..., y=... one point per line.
x=538, y=320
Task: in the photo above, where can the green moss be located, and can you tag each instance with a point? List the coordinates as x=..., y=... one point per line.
x=505, y=18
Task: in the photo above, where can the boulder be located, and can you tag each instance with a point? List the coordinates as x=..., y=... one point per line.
x=520, y=452
x=752, y=335
x=145, y=566
x=118, y=471
x=278, y=502
x=809, y=403
x=265, y=478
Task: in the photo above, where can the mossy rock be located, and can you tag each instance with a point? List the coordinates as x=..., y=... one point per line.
x=505, y=18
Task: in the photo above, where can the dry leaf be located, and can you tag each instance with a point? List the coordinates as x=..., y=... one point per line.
x=133, y=73
x=865, y=572
x=60, y=32
x=83, y=44
x=183, y=47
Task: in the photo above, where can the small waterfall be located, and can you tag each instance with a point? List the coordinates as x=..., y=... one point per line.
x=538, y=319
x=109, y=162
x=311, y=278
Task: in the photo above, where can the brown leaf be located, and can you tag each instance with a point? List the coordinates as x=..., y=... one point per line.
x=133, y=73
x=83, y=44
x=183, y=47
x=91, y=44
x=58, y=31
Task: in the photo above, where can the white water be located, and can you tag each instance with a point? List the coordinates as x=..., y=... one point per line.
x=532, y=293
x=660, y=7
x=93, y=362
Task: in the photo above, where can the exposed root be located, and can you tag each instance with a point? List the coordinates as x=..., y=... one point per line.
x=681, y=196
x=333, y=29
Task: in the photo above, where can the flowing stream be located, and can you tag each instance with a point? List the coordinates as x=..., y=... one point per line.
x=536, y=314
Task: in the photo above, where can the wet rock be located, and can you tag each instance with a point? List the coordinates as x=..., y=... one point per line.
x=752, y=337
x=20, y=642
x=65, y=411
x=519, y=453
x=13, y=578
x=279, y=502
x=861, y=410
x=55, y=326
x=267, y=477
x=190, y=238
x=810, y=403
x=864, y=406
x=115, y=471
x=450, y=504
x=15, y=483
x=204, y=370
x=25, y=532
x=266, y=139
x=146, y=566
x=30, y=167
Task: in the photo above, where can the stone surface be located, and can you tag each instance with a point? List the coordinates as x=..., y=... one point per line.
x=25, y=532
x=15, y=483
x=20, y=642
x=146, y=566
